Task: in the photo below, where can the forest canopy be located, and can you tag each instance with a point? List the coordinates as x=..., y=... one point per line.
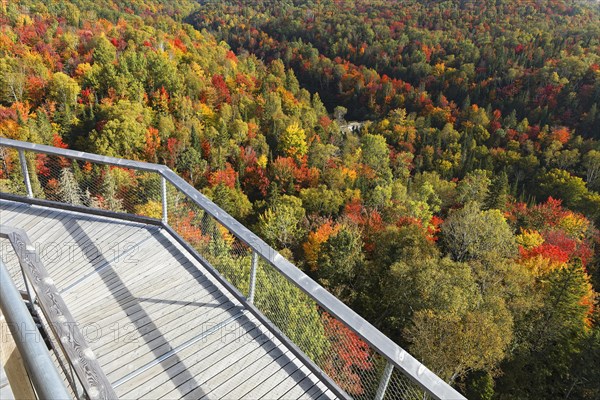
x=434, y=164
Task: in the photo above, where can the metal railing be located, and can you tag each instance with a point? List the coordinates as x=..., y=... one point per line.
x=80, y=365
x=350, y=355
x=40, y=368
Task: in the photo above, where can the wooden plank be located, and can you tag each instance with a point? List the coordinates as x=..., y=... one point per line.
x=27, y=211
x=92, y=254
x=116, y=282
x=122, y=292
x=270, y=375
x=7, y=211
x=185, y=278
x=142, y=318
x=72, y=266
x=327, y=395
x=54, y=236
x=244, y=376
x=106, y=272
x=123, y=295
x=59, y=216
x=86, y=233
x=79, y=213
x=36, y=211
x=40, y=224
x=55, y=310
x=309, y=387
x=68, y=269
x=154, y=342
x=229, y=371
x=233, y=367
x=4, y=204
x=10, y=209
x=131, y=307
x=313, y=393
x=270, y=388
x=195, y=359
x=304, y=390
x=176, y=327
x=287, y=371
x=214, y=376
x=299, y=388
x=182, y=384
x=25, y=219
x=157, y=375
x=148, y=254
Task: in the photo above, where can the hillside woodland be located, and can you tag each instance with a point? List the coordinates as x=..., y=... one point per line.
x=461, y=218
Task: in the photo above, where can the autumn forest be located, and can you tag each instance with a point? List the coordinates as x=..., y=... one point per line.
x=435, y=164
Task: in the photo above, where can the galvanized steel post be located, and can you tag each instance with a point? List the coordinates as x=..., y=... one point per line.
x=25, y=173
x=164, y=200
x=385, y=381
x=253, y=277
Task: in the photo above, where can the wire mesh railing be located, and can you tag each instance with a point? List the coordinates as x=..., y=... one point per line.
x=11, y=175
x=356, y=359
x=402, y=388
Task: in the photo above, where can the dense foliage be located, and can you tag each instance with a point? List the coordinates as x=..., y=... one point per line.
x=459, y=218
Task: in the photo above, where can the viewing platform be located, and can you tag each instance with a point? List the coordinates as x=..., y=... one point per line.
x=159, y=324
x=141, y=287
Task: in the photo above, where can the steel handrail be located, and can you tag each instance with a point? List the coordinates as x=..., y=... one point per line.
x=44, y=376
x=397, y=356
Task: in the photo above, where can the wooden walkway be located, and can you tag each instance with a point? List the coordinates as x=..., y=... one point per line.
x=158, y=322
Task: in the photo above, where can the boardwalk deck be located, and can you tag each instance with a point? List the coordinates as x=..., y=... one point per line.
x=158, y=322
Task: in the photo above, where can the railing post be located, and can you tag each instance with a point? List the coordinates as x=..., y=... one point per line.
x=25, y=173
x=385, y=380
x=252, y=277
x=164, y=200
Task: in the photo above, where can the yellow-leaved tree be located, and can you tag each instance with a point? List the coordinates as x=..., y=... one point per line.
x=293, y=141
